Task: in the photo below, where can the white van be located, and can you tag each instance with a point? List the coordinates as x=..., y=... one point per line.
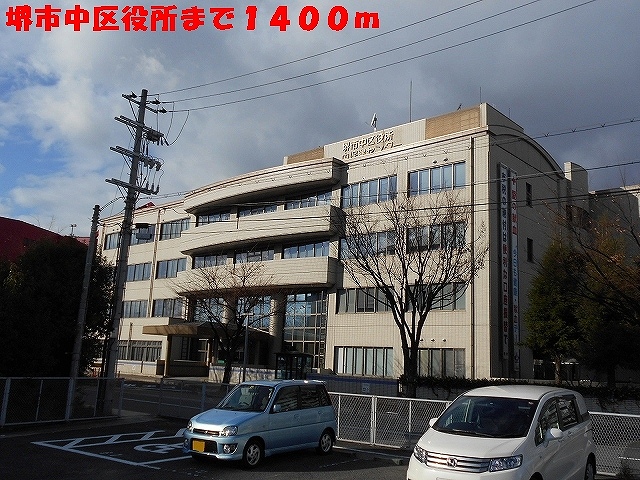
x=511, y=432
x=260, y=418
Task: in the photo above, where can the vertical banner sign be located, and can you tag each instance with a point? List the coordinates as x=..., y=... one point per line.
x=515, y=276
x=505, y=255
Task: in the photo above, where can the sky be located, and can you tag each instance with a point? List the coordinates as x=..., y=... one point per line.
x=240, y=99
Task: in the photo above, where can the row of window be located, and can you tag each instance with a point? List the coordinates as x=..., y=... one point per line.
x=322, y=198
x=145, y=234
x=451, y=296
x=140, y=350
x=428, y=237
x=378, y=361
x=318, y=249
x=371, y=191
x=162, y=307
x=164, y=269
x=437, y=179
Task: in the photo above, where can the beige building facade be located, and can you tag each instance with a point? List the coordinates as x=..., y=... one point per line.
x=286, y=217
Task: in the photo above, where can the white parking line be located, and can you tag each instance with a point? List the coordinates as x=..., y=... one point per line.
x=78, y=445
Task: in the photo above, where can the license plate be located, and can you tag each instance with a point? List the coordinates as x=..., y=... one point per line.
x=197, y=445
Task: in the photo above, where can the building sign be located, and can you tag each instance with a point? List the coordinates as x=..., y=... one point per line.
x=509, y=268
x=504, y=259
x=368, y=144
x=515, y=273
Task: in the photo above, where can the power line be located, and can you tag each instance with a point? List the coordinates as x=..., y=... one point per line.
x=315, y=55
x=350, y=62
x=392, y=64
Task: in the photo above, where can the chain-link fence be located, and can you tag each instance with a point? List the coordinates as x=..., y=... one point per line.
x=617, y=439
x=385, y=421
x=50, y=399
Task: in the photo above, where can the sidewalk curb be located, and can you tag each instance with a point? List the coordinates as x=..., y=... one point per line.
x=398, y=457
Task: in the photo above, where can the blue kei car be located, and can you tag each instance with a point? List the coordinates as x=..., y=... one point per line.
x=259, y=418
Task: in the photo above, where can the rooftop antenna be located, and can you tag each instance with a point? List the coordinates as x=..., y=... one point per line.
x=374, y=122
x=410, y=97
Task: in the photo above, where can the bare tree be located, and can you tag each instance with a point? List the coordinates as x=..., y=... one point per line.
x=230, y=298
x=420, y=253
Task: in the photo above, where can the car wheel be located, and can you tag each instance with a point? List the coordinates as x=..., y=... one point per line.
x=252, y=454
x=325, y=444
x=590, y=471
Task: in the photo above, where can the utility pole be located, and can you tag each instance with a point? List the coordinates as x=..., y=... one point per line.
x=138, y=158
x=82, y=311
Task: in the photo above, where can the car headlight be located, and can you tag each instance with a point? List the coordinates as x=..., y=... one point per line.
x=229, y=431
x=420, y=454
x=505, y=463
x=190, y=426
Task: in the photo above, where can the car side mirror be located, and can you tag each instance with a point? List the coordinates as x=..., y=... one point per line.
x=276, y=408
x=553, y=434
x=432, y=422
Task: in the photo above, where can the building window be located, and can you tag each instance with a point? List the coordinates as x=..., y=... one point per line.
x=173, y=229
x=371, y=191
x=431, y=237
x=134, y=309
x=529, y=249
x=138, y=272
x=305, y=324
x=441, y=362
x=361, y=300
x=139, y=350
x=257, y=210
x=111, y=241
x=206, y=218
x=323, y=198
x=142, y=235
x=203, y=261
x=320, y=249
x=529, y=192
x=450, y=296
x=437, y=179
x=170, y=268
x=254, y=256
x=258, y=315
x=167, y=307
x=380, y=243
x=369, y=361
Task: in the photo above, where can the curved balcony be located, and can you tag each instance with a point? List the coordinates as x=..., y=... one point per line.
x=267, y=228
x=271, y=182
x=309, y=272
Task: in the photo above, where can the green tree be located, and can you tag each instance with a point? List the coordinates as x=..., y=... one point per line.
x=42, y=292
x=553, y=329
x=609, y=304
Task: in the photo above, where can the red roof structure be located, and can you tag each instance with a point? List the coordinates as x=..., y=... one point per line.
x=16, y=236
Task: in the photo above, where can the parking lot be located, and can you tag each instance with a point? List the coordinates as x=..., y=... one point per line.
x=137, y=447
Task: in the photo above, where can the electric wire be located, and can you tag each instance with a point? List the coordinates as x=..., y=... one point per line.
x=236, y=77
x=388, y=65
x=350, y=62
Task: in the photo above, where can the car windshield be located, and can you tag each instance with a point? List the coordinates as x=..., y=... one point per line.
x=488, y=417
x=247, y=397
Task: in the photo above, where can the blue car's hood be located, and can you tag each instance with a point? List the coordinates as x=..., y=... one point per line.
x=217, y=419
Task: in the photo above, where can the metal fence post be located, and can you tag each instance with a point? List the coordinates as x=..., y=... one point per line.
x=5, y=402
x=372, y=433
x=121, y=397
